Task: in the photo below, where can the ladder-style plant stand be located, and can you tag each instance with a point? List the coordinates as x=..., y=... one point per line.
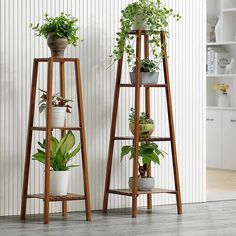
x=134, y=193
x=46, y=197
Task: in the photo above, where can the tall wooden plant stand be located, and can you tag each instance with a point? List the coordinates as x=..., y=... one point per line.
x=134, y=193
x=46, y=197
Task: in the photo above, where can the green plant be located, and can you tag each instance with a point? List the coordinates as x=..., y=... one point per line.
x=63, y=26
x=59, y=152
x=143, y=118
x=156, y=16
x=148, y=152
x=147, y=65
x=57, y=101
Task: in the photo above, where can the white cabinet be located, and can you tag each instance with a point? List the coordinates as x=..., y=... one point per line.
x=229, y=140
x=213, y=140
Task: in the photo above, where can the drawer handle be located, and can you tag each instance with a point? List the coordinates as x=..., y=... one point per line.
x=232, y=120
x=209, y=119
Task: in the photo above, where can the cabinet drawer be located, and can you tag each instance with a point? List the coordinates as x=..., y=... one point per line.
x=229, y=140
x=213, y=140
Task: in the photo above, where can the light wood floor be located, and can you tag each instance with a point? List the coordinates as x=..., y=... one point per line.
x=203, y=219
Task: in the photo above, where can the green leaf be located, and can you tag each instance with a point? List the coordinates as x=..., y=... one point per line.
x=68, y=143
x=73, y=153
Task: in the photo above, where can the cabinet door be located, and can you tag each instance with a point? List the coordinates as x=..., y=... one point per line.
x=229, y=140
x=213, y=144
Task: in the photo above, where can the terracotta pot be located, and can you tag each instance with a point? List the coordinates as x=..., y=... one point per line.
x=145, y=130
x=57, y=45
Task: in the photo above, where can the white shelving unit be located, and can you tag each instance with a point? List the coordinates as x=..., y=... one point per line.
x=221, y=122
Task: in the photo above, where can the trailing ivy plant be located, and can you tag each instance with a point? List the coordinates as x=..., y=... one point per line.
x=156, y=16
x=63, y=26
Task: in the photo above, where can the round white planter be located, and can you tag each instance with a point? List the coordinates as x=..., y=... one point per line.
x=58, y=116
x=59, y=182
x=224, y=100
x=145, y=77
x=140, y=22
x=144, y=184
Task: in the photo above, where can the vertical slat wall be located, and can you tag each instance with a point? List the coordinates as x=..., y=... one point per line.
x=99, y=22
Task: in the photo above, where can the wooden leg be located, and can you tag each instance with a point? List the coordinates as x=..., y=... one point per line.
x=63, y=132
x=83, y=140
x=48, y=141
x=29, y=140
x=171, y=126
x=136, y=125
x=112, y=135
x=147, y=105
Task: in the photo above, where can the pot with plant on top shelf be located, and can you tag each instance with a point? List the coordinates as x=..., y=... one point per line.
x=149, y=72
x=60, y=107
x=60, y=154
x=59, y=32
x=147, y=152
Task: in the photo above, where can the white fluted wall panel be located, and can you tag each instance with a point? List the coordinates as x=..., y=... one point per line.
x=99, y=22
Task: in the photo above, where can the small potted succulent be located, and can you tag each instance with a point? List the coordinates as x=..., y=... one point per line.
x=60, y=107
x=149, y=72
x=146, y=125
x=60, y=155
x=59, y=32
x=147, y=152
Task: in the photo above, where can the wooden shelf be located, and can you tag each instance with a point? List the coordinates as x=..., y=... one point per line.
x=160, y=139
x=144, y=85
x=55, y=59
x=128, y=192
x=68, y=197
x=40, y=128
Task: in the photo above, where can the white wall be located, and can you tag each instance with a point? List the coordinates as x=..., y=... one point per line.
x=99, y=22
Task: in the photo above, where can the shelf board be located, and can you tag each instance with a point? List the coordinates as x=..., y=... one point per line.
x=229, y=10
x=228, y=43
x=128, y=192
x=220, y=75
x=43, y=128
x=144, y=85
x=220, y=108
x=160, y=139
x=68, y=197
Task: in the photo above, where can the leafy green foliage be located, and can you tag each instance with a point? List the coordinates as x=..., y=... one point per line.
x=147, y=65
x=148, y=152
x=57, y=101
x=60, y=153
x=63, y=26
x=156, y=16
x=143, y=118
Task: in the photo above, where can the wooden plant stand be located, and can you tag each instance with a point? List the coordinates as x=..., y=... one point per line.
x=46, y=197
x=134, y=193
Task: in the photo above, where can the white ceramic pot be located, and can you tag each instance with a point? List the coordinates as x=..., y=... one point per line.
x=145, y=77
x=140, y=22
x=58, y=116
x=224, y=100
x=59, y=182
x=144, y=184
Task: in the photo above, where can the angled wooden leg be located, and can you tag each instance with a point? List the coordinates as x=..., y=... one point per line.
x=171, y=126
x=63, y=132
x=136, y=124
x=147, y=107
x=82, y=139
x=29, y=140
x=48, y=141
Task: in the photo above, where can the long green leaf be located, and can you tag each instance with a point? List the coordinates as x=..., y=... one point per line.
x=73, y=153
x=68, y=143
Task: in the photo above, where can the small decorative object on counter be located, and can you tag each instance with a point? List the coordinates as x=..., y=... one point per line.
x=213, y=35
x=223, y=99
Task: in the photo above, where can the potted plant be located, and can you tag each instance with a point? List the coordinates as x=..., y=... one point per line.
x=224, y=99
x=149, y=15
x=59, y=108
x=59, y=32
x=148, y=152
x=60, y=155
x=149, y=72
x=146, y=125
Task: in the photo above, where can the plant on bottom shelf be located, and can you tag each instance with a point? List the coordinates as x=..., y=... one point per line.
x=59, y=32
x=60, y=107
x=146, y=125
x=149, y=15
x=147, y=152
x=60, y=154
